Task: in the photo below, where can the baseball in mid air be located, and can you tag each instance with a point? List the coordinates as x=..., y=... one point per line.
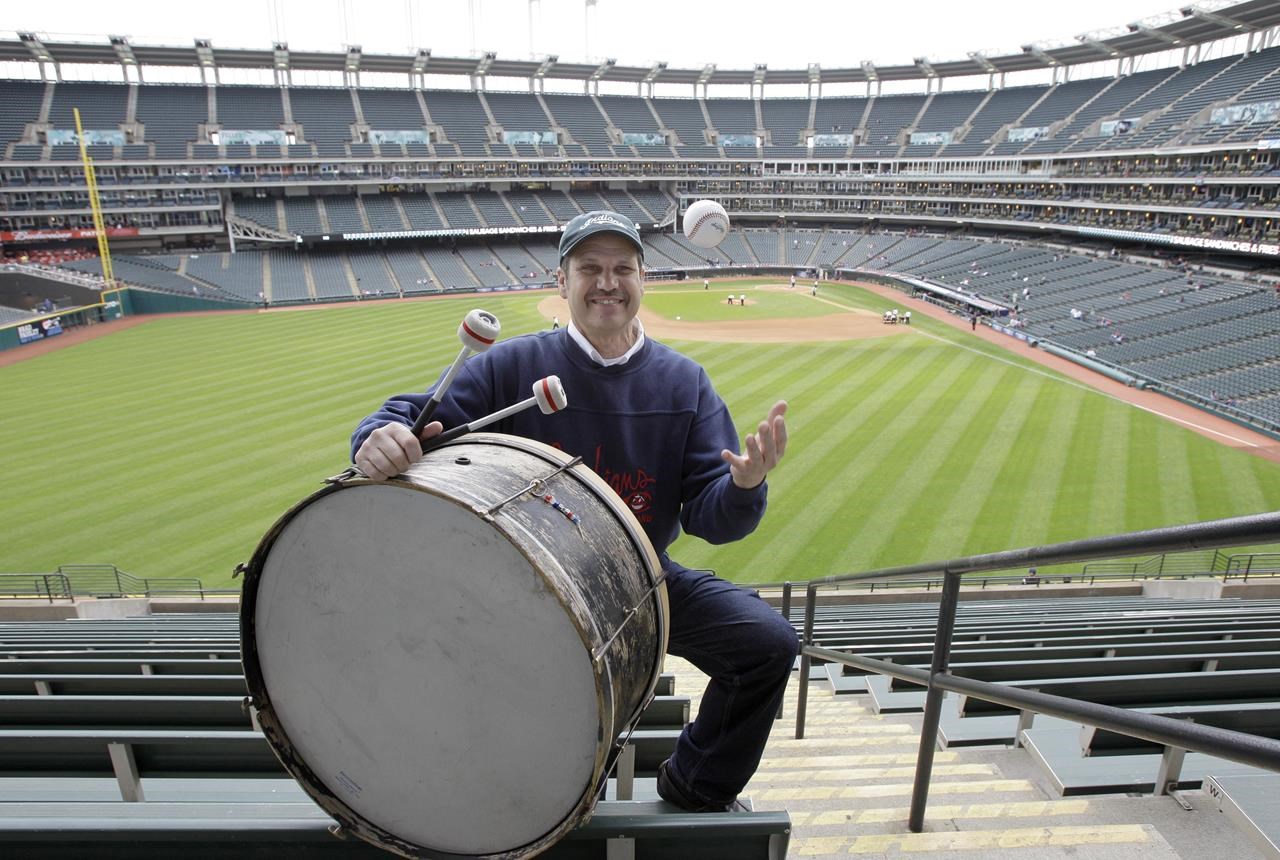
x=705, y=223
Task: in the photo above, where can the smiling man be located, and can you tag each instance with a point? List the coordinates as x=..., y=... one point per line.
x=649, y=422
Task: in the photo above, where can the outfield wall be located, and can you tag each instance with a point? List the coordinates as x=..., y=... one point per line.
x=101, y=307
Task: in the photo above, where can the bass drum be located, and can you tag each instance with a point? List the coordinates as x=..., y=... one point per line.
x=446, y=661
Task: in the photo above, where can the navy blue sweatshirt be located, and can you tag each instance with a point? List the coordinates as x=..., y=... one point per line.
x=652, y=428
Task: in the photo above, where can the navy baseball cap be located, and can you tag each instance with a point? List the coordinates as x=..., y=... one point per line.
x=600, y=221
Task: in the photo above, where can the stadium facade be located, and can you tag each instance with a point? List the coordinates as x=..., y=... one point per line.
x=1130, y=220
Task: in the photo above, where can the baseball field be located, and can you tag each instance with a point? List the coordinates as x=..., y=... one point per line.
x=168, y=448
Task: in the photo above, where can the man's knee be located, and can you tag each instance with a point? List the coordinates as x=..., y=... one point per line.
x=780, y=644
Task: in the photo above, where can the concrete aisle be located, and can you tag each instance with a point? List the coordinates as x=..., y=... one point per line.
x=847, y=786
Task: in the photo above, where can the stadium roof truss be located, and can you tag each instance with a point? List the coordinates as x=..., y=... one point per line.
x=1192, y=26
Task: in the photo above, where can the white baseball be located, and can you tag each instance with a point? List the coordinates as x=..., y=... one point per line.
x=705, y=223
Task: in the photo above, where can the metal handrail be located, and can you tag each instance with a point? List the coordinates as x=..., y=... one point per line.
x=1241, y=566
x=49, y=586
x=1233, y=531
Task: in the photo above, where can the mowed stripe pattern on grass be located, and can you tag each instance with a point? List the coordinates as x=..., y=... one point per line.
x=911, y=449
x=177, y=443
x=173, y=446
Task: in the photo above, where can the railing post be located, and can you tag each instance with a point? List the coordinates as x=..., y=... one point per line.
x=786, y=613
x=802, y=698
x=933, y=700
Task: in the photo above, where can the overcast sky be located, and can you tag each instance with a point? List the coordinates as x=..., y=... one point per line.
x=739, y=34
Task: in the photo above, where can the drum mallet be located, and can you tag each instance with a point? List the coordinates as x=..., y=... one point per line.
x=548, y=395
x=477, y=331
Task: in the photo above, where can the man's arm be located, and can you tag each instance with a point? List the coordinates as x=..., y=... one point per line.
x=724, y=493
x=383, y=444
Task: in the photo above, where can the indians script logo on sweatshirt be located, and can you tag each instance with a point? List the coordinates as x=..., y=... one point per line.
x=635, y=488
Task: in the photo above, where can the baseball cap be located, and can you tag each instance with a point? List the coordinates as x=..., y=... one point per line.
x=600, y=221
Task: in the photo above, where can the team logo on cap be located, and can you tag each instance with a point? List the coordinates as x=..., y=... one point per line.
x=611, y=220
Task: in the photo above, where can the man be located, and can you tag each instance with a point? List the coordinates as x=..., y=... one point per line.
x=642, y=416
x=706, y=283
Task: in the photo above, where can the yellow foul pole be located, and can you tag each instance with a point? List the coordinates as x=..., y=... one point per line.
x=99, y=228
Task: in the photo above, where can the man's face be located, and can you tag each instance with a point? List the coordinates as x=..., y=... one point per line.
x=603, y=282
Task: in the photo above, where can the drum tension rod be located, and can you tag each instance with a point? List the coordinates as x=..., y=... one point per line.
x=631, y=613
x=534, y=486
x=621, y=744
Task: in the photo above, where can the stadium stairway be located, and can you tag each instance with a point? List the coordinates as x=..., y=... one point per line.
x=847, y=786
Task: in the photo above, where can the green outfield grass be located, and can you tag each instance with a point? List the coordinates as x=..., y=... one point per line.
x=169, y=448
x=698, y=305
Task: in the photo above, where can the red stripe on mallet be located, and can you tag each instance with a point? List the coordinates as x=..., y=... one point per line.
x=479, y=337
x=546, y=392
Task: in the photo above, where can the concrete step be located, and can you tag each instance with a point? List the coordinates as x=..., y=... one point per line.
x=848, y=785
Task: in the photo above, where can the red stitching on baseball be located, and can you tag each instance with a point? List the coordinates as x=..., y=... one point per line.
x=693, y=231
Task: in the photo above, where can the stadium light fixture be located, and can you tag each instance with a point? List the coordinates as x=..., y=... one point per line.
x=1212, y=17
x=36, y=47
x=204, y=53
x=869, y=69
x=353, y=58
x=655, y=70
x=705, y=75
x=603, y=69
x=1039, y=53
x=815, y=73
x=1159, y=35
x=983, y=62
x=923, y=65
x=123, y=50
x=758, y=76
x=545, y=66
x=486, y=60
x=420, y=60
x=1089, y=41
x=280, y=56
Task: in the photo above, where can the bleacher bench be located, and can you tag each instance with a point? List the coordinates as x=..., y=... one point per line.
x=643, y=830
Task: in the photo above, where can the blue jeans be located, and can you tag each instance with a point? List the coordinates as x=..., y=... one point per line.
x=748, y=649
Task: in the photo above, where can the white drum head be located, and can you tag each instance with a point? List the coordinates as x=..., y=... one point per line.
x=420, y=666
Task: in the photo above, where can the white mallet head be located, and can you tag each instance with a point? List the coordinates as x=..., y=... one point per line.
x=549, y=394
x=479, y=330
x=705, y=223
